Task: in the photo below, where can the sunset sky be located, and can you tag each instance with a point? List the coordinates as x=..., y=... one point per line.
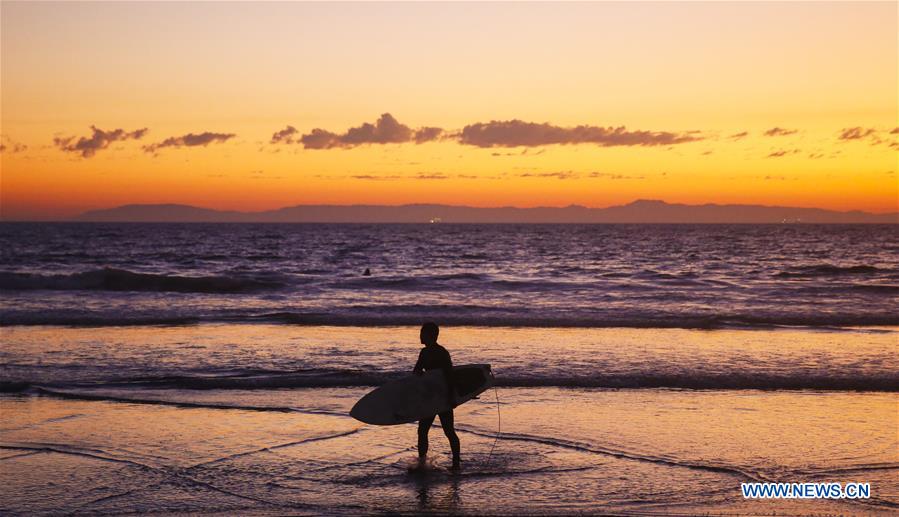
x=254, y=106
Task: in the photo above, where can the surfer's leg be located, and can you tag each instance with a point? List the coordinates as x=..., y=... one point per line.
x=447, y=422
x=424, y=425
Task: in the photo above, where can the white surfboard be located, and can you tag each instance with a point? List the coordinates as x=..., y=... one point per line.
x=419, y=396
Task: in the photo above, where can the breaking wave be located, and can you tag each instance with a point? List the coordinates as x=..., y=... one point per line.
x=111, y=279
x=823, y=270
x=460, y=315
x=326, y=378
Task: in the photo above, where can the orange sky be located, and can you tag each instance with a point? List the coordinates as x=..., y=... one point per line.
x=659, y=90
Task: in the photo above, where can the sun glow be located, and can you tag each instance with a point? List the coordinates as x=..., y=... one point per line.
x=594, y=104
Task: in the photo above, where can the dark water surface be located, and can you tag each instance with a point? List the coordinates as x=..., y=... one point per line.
x=693, y=276
x=640, y=369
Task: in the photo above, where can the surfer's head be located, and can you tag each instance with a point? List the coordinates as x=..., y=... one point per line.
x=429, y=332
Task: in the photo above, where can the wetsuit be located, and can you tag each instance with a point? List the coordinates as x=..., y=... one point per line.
x=435, y=357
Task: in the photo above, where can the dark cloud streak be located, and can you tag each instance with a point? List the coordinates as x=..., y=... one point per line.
x=782, y=153
x=427, y=134
x=386, y=130
x=855, y=133
x=517, y=133
x=779, y=131
x=8, y=145
x=190, y=140
x=511, y=133
x=285, y=135
x=99, y=139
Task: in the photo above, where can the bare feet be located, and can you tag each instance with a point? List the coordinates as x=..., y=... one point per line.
x=419, y=465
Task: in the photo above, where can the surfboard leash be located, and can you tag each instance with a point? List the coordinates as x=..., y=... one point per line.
x=499, y=425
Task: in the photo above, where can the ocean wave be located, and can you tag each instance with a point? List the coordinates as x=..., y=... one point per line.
x=836, y=288
x=825, y=269
x=14, y=386
x=397, y=282
x=458, y=315
x=879, y=382
x=110, y=279
x=553, y=282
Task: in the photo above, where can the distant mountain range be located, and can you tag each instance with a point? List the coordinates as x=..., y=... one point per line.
x=641, y=211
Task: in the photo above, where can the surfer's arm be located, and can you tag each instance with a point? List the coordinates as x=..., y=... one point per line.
x=450, y=392
x=418, y=370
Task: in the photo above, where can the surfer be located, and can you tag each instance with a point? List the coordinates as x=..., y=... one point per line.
x=434, y=357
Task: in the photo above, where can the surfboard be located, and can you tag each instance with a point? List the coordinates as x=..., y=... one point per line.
x=419, y=396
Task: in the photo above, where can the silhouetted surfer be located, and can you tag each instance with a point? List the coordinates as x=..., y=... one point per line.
x=433, y=357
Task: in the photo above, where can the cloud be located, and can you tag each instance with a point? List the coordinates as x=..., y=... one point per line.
x=562, y=175
x=781, y=153
x=431, y=176
x=388, y=177
x=386, y=130
x=320, y=139
x=779, y=131
x=565, y=175
x=100, y=139
x=375, y=177
x=9, y=146
x=515, y=133
x=614, y=176
x=739, y=136
x=190, y=140
x=512, y=133
x=285, y=135
x=872, y=135
x=427, y=134
x=855, y=133
x=523, y=152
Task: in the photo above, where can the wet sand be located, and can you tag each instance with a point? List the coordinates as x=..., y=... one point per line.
x=136, y=447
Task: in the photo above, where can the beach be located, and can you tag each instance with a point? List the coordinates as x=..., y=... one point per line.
x=253, y=419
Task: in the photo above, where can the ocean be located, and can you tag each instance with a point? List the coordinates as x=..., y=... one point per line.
x=641, y=369
x=686, y=276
